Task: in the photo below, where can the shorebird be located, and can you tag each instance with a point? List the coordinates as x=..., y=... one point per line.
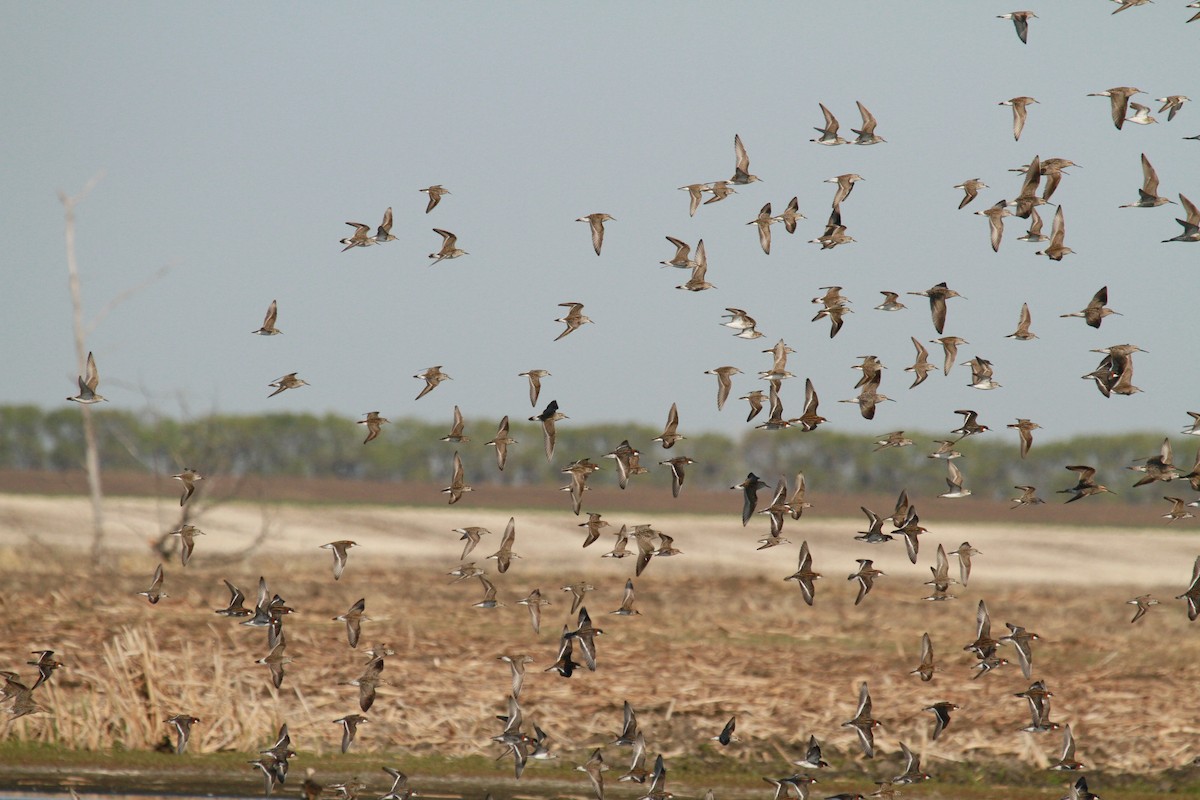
x=726, y=736
x=435, y=193
x=996, y=215
x=1158, y=467
x=891, y=302
x=724, y=382
x=874, y=534
x=505, y=554
x=1067, y=762
x=339, y=550
x=925, y=669
x=1119, y=99
x=749, y=489
x=1020, y=110
x=549, y=418
x=669, y=436
x=449, y=248
x=46, y=664
x=268, y=327
x=812, y=756
x=1148, y=195
x=574, y=318
x=1143, y=603
x=912, y=768
x=628, y=461
x=1172, y=103
x=1086, y=485
x=872, y=370
x=1194, y=428
x=945, y=449
x=456, y=429
x=866, y=134
x=865, y=576
x=186, y=534
x=984, y=646
x=981, y=374
x=1028, y=495
x=970, y=190
x=275, y=661
x=579, y=471
x=764, y=221
x=845, y=185
x=432, y=377
x=949, y=350
x=1058, y=229
x=368, y=682
x=360, y=238
x=809, y=420
x=970, y=425
x=833, y=297
x=941, y=713
x=964, y=553
x=534, y=376
x=1192, y=595
x=791, y=215
x=155, y=592
x=868, y=398
x=384, y=232
x=1141, y=114
x=683, y=255
x=236, y=607
x=1125, y=4
x=862, y=722
x=677, y=465
x=289, y=381
x=374, y=424
x=501, y=442
x=835, y=315
x=626, y=608
x=189, y=477
x=1022, y=333
x=88, y=382
x=921, y=367
x=595, y=768
x=804, y=575
x=584, y=634
x=1034, y=234
x=1020, y=638
x=954, y=480
x=349, y=724
x=489, y=595
x=938, y=295
x=596, y=222
x=695, y=193
x=457, y=484
x=893, y=439
x=594, y=526
x=1020, y=20
x=755, y=399
x=353, y=620
x=1191, y=230
x=829, y=133
x=698, y=282
x=719, y=190
x=1096, y=310
x=183, y=730
x=629, y=727
x=741, y=167
x=940, y=579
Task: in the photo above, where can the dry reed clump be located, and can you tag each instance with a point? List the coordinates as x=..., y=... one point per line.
x=702, y=650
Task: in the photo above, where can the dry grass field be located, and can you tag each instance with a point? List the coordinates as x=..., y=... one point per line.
x=720, y=633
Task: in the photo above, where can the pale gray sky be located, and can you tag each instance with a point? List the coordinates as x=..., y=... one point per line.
x=236, y=138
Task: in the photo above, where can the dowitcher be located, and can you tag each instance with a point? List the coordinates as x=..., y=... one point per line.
x=268, y=327
x=1086, y=485
x=1020, y=111
x=88, y=382
x=1020, y=20
x=449, y=248
x=1119, y=99
x=435, y=193
x=596, y=222
x=289, y=381
x=374, y=424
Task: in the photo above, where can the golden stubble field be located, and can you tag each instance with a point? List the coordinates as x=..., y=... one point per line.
x=720, y=633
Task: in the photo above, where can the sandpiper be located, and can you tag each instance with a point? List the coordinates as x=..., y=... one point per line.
x=1020, y=20
x=797, y=504
x=1096, y=309
x=695, y=193
x=1022, y=333
x=698, y=281
x=501, y=442
x=384, y=232
x=574, y=318
x=549, y=418
x=183, y=730
x=626, y=609
x=596, y=221
x=912, y=768
x=954, y=480
x=981, y=374
x=945, y=449
x=1119, y=98
x=938, y=295
x=865, y=576
x=940, y=580
x=741, y=168
x=941, y=712
x=1148, y=195
x=289, y=381
x=866, y=134
x=628, y=461
x=996, y=215
x=449, y=248
x=275, y=661
x=925, y=669
x=155, y=592
x=1191, y=229
x=764, y=221
x=457, y=485
x=1028, y=495
x=921, y=367
x=1141, y=114
x=682, y=258
x=949, y=350
x=1020, y=638
x=88, y=382
x=505, y=554
x=970, y=426
x=353, y=620
x=1172, y=103
x=791, y=215
x=1143, y=603
x=1194, y=428
x=835, y=315
x=374, y=424
x=268, y=327
x=349, y=724
x=489, y=595
x=719, y=191
x=360, y=238
x=845, y=185
x=1086, y=485
x=862, y=722
x=755, y=399
x=534, y=376
x=724, y=382
x=835, y=232
x=339, y=550
x=964, y=553
x=456, y=429
x=187, y=541
x=829, y=133
x=677, y=465
x=1067, y=762
x=891, y=302
x=1058, y=229
x=189, y=477
x=1020, y=110
x=435, y=193
x=893, y=439
x=1034, y=234
x=236, y=607
x=970, y=190
x=432, y=377
x=669, y=436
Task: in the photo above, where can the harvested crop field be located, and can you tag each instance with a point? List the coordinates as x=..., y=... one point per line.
x=719, y=634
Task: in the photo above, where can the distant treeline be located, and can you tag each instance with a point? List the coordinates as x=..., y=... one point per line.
x=409, y=450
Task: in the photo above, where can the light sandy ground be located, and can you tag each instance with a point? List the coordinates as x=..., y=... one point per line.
x=1018, y=551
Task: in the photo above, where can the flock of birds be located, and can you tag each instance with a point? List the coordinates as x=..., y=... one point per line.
x=522, y=742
